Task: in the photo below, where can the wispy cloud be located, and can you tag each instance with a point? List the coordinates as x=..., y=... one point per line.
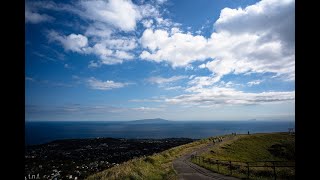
x=174, y=88
x=255, y=82
x=94, y=83
x=49, y=82
x=162, y=80
x=34, y=17
x=230, y=96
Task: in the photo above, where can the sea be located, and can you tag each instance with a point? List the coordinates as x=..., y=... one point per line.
x=44, y=132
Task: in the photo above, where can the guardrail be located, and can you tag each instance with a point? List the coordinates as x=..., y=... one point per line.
x=217, y=165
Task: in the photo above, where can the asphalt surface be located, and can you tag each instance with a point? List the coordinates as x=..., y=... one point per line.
x=188, y=171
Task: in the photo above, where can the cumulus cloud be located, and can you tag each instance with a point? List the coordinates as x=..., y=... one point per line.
x=94, y=83
x=161, y=80
x=104, y=20
x=179, y=49
x=122, y=14
x=110, y=51
x=229, y=96
x=72, y=42
x=258, y=38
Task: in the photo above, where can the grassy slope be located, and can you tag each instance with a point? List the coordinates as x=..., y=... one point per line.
x=251, y=148
x=157, y=166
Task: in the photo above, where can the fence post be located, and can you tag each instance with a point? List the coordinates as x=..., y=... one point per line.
x=248, y=174
x=230, y=168
x=218, y=165
x=274, y=171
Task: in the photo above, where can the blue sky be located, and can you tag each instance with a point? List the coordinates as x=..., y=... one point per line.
x=177, y=60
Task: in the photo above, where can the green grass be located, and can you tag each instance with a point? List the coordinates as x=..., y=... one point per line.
x=157, y=166
x=251, y=148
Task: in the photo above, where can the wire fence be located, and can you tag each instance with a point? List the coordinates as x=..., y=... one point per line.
x=249, y=170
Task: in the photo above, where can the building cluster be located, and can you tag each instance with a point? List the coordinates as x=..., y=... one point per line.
x=79, y=158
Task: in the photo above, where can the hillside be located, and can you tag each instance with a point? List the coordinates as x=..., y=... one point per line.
x=265, y=150
x=255, y=147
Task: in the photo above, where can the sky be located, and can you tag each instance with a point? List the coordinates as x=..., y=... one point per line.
x=178, y=60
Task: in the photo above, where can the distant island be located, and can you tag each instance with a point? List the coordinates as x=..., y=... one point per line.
x=149, y=121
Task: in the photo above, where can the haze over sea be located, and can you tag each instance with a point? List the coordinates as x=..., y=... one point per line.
x=43, y=132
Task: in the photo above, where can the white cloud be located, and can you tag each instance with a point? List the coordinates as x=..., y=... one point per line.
x=174, y=88
x=201, y=81
x=228, y=84
x=35, y=18
x=202, y=66
x=122, y=14
x=111, y=51
x=165, y=23
x=102, y=50
x=123, y=55
x=104, y=19
x=147, y=23
x=121, y=43
x=108, y=56
x=149, y=11
x=161, y=80
x=94, y=83
x=256, y=82
x=144, y=109
x=198, y=32
x=229, y=96
x=72, y=42
x=93, y=64
x=179, y=49
x=175, y=30
x=258, y=38
x=161, y=1
x=188, y=67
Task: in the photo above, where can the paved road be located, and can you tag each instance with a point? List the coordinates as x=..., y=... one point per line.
x=189, y=171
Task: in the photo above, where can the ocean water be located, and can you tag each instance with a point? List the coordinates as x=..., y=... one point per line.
x=43, y=132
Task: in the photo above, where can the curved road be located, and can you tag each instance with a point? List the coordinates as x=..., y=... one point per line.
x=189, y=171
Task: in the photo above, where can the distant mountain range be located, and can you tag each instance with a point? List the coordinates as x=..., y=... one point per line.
x=149, y=121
